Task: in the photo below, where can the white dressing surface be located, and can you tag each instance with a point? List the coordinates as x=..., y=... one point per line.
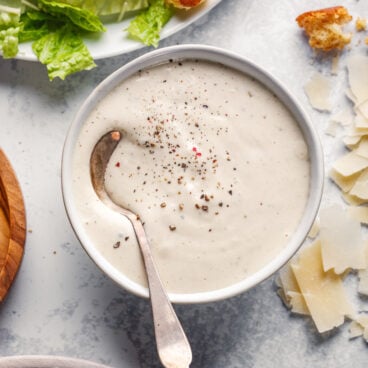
x=211, y=161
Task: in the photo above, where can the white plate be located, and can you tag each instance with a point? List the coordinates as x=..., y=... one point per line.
x=43, y=361
x=115, y=40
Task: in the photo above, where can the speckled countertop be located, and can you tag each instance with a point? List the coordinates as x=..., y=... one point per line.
x=62, y=304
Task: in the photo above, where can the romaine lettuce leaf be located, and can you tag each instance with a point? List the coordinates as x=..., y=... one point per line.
x=57, y=26
x=109, y=8
x=36, y=24
x=9, y=42
x=9, y=30
x=146, y=26
x=9, y=16
x=82, y=18
x=63, y=52
x=120, y=7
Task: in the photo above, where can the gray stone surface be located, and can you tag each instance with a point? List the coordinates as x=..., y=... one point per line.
x=62, y=304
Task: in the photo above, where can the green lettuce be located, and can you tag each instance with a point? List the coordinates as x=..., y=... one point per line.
x=57, y=34
x=8, y=16
x=121, y=8
x=63, y=52
x=9, y=30
x=36, y=24
x=146, y=27
x=82, y=18
x=56, y=28
x=110, y=9
x=9, y=42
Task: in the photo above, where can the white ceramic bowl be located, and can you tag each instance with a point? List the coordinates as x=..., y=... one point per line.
x=231, y=60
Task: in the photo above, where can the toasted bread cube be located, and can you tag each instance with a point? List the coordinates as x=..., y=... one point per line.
x=324, y=27
x=185, y=4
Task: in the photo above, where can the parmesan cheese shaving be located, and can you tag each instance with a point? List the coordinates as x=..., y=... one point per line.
x=332, y=128
x=362, y=319
x=318, y=90
x=313, y=232
x=287, y=279
x=284, y=298
x=362, y=149
x=345, y=183
x=363, y=108
x=352, y=200
x=289, y=291
x=359, y=327
x=365, y=334
x=351, y=141
x=360, y=188
x=297, y=303
x=335, y=65
x=349, y=94
x=323, y=292
x=350, y=164
x=341, y=238
x=358, y=77
x=360, y=121
x=363, y=277
x=344, y=117
x=363, y=282
x=359, y=213
x=363, y=131
x=355, y=330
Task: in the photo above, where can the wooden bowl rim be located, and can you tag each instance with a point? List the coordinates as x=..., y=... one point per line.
x=11, y=201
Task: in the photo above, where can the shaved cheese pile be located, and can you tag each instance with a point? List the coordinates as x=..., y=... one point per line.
x=350, y=172
x=323, y=292
x=312, y=282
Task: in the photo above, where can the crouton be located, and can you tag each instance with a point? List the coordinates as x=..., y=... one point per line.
x=360, y=24
x=185, y=4
x=324, y=27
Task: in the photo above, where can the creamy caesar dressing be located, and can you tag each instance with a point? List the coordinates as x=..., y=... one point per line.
x=213, y=163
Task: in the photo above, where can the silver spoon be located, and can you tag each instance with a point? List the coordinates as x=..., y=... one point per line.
x=172, y=344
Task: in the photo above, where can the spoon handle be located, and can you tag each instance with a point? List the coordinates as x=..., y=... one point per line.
x=172, y=344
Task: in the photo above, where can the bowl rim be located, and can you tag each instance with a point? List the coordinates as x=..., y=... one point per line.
x=46, y=361
x=244, y=65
